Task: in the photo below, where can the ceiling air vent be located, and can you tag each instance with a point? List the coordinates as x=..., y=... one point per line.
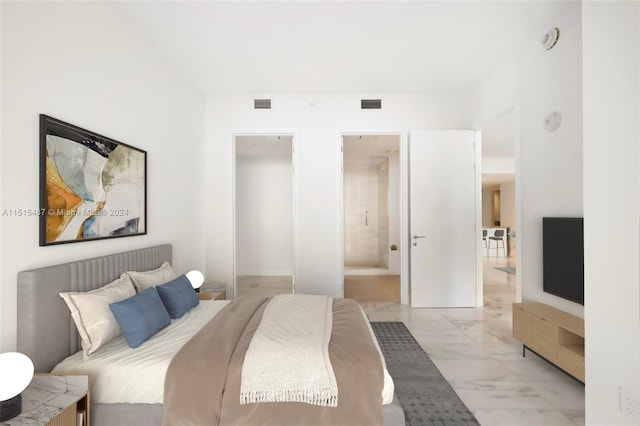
x=262, y=103
x=371, y=104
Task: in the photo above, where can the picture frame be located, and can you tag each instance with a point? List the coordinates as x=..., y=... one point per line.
x=91, y=187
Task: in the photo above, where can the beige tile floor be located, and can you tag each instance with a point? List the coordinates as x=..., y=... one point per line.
x=263, y=286
x=372, y=288
x=474, y=350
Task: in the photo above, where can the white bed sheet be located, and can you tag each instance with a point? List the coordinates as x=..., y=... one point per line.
x=137, y=375
x=119, y=374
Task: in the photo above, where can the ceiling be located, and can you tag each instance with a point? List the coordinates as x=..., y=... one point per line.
x=334, y=47
x=292, y=47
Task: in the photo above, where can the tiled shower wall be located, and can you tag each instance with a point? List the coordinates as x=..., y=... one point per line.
x=366, y=219
x=383, y=212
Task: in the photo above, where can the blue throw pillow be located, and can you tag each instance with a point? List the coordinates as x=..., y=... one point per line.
x=178, y=296
x=141, y=316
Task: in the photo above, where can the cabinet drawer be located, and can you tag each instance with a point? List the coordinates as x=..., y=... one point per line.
x=522, y=325
x=571, y=362
x=545, y=329
x=545, y=348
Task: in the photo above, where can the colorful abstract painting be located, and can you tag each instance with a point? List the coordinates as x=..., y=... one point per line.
x=91, y=187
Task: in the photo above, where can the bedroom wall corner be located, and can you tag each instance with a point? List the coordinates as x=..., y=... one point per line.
x=85, y=63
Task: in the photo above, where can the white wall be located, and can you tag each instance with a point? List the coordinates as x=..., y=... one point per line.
x=83, y=63
x=264, y=225
x=319, y=121
x=601, y=40
x=494, y=96
x=550, y=173
x=611, y=53
x=3, y=293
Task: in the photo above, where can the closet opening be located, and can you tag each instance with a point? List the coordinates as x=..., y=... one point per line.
x=264, y=259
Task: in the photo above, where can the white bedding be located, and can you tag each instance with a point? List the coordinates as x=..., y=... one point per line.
x=137, y=375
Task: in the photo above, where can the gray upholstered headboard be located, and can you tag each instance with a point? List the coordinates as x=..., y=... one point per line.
x=46, y=332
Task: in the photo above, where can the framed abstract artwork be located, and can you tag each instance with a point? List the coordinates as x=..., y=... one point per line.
x=91, y=187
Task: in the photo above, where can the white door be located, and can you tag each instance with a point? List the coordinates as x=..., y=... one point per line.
x=442, y=197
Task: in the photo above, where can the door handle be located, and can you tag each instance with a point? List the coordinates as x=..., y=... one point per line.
x=419, y=236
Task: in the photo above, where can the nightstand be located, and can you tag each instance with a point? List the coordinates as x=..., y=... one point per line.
x=216, y=291
x=54, y=400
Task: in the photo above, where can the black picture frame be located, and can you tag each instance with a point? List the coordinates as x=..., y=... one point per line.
x=91, y=187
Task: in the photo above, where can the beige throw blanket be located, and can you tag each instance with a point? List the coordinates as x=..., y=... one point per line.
x=202, y=385
x=288, y=357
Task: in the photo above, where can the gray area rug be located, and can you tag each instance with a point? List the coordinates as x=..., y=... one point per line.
x=424, y=394
x=506, y=269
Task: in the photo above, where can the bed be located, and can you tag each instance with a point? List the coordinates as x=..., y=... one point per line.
x=48, y=335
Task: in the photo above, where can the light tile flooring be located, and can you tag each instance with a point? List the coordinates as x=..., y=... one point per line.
x=475, y=351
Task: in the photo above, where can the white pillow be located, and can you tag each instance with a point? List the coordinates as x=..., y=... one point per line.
x=146, y=279
x=93, y=318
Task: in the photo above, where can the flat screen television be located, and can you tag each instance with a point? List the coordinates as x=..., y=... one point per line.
x=563, y=257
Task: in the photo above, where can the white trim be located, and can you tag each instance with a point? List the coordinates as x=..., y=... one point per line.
x=518, y=200
x=340, y=217
x=405, y=285
x=477, y=143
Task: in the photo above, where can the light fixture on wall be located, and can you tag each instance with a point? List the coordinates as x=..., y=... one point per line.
x=552, y=121
x=550, y=38
x=16, y=372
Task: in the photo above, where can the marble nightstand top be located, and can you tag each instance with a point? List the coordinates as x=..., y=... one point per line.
x=47, y=396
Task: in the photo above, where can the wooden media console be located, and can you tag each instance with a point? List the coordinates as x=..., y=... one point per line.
x=553, y=334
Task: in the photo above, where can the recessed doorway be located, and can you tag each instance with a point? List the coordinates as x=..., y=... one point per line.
x=499, y=198
x=265, y=255
x=371, y=218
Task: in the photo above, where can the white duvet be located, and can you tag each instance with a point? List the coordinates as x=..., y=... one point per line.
x=119, y=374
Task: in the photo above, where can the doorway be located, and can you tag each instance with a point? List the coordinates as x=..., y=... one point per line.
x=499, y=198
x=371, y=217
x=265, y=255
